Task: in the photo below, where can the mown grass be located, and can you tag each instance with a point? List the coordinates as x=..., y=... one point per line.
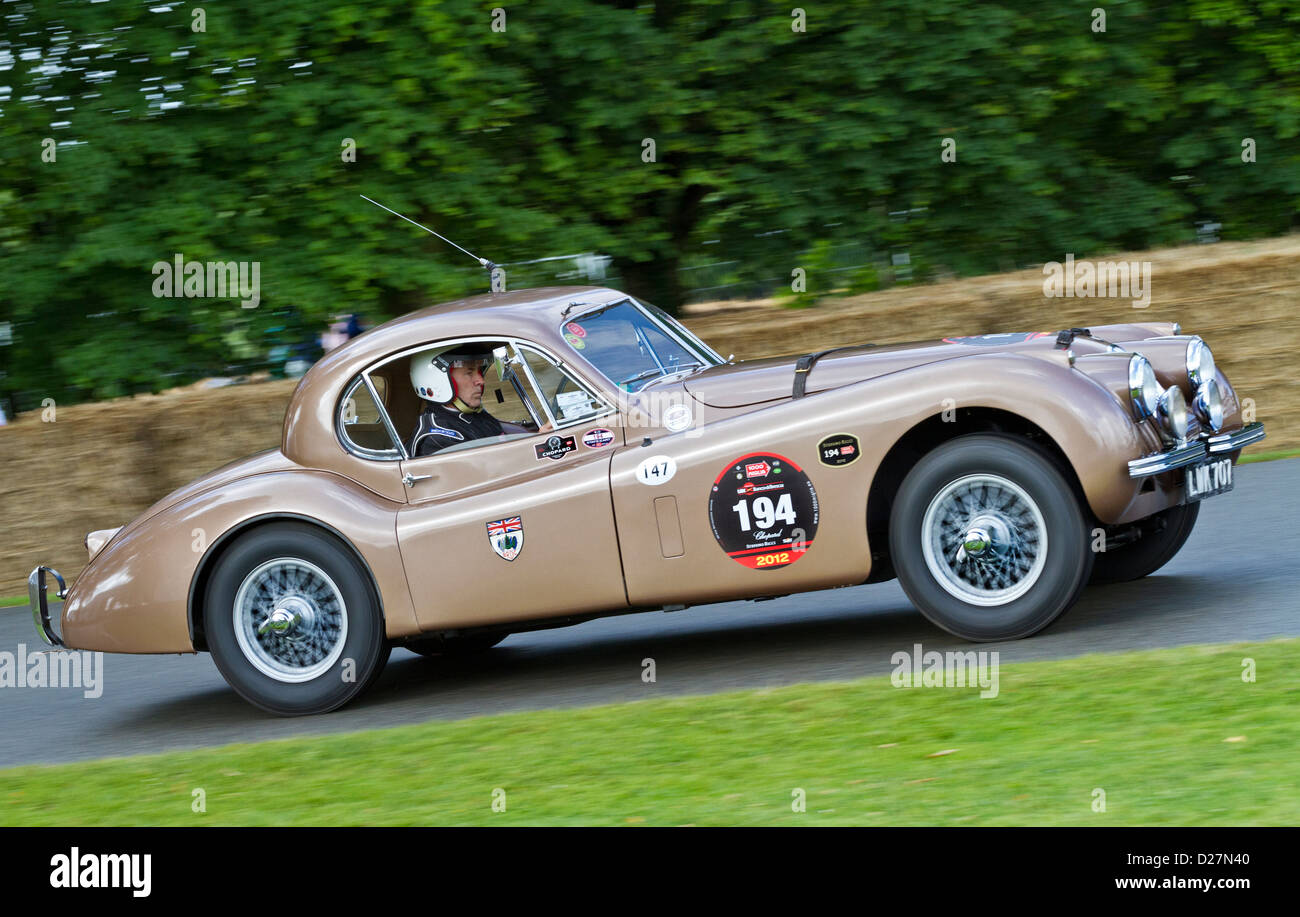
x=1248, y=457
x=1173, y=737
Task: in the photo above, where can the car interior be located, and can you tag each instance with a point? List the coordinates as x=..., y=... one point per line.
x=566, y=399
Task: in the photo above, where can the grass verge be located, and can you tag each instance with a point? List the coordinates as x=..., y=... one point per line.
x=1249, y=457
x=1172, y=737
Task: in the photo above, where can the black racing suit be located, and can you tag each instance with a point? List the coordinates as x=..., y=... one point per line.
x=441, y=425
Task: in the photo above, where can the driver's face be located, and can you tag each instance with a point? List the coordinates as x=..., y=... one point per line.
x=469, y=382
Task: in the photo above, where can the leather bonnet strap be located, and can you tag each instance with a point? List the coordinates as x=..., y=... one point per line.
x=805, y=364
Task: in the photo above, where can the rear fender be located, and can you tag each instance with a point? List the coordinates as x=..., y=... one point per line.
x=143, y=592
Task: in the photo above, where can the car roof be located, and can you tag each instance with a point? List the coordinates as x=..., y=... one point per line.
x=489, y=314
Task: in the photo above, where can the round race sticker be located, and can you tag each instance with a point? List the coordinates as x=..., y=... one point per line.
x=656, y=470
x=575, y=328
x=763, y=510
x=677, y=418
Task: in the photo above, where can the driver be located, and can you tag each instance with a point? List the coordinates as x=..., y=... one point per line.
x=452, y=383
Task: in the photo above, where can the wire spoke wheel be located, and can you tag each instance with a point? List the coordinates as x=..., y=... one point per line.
x=984, y=539
x=980, y=508
x=290, y=620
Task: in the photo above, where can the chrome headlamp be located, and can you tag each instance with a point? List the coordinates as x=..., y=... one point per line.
x=1143, y=387
x=1208, y=404
x=1200, y=363
x=1171, y=411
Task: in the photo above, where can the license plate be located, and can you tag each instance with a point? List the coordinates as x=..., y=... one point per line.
x=1209, y=479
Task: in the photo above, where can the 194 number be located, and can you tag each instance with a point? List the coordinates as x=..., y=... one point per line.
x=766, y=513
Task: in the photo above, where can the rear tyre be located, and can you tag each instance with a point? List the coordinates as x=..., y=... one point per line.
x=1161, y=537
x=293, y=622
x=988, y=538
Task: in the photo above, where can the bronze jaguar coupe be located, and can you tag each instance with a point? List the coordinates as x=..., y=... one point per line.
x=616, y=463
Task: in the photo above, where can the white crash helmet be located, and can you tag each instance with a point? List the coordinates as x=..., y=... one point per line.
x=429, y=369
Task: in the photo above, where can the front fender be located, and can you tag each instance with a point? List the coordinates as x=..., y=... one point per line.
x=1095, y=433
x=135, y=597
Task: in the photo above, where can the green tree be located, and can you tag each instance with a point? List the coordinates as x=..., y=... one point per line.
x=229, y=144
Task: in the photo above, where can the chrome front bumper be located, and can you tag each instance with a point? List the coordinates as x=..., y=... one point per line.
x=40, y=606
x=1231, y=442
x=1190, y=453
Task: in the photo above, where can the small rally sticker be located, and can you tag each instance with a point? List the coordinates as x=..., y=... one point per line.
x=506, y=537
x=574, y=341
x=840, y=449
x=597, y=438
x=677, y=418
x=997, y=340
x=576, y=329
x=656, y=470
x=555, y=447
x=763, y=510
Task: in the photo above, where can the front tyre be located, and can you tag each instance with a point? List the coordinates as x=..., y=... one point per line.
x=1155, y=542
x=292, y=621
x=988, y=538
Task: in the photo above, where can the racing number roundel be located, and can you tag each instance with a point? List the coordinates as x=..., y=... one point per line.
x=763, y=510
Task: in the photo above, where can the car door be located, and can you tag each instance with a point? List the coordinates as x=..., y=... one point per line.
x=495, y=532
x=744, y=507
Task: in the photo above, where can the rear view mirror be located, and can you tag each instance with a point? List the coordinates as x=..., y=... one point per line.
x=499, y=358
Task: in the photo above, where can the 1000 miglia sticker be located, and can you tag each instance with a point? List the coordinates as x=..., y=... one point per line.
x=763, y=510
x=998, y=340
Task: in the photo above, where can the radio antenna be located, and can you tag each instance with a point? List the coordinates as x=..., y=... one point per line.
x=488, y=265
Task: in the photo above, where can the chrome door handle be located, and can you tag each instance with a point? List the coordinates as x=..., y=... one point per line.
x=410, y=479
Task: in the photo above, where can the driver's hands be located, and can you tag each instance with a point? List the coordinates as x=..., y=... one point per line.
x=546, y=428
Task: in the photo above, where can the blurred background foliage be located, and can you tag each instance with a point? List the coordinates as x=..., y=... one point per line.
x=774, y=149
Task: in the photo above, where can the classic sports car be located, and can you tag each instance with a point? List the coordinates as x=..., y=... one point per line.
x=622, y=465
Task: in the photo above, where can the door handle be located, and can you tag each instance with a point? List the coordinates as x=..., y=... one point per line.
x=410, y=479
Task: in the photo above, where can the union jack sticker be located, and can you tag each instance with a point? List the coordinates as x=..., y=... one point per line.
x=506, y=537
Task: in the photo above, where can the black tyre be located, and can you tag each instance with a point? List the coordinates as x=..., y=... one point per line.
x=988, y=538
x=468, y=645
x=1158, y=539
x=293, y=622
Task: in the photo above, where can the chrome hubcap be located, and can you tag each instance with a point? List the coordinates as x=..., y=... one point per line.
x=290, y=620
x=984, y=540
x=293, y=619
x=988, y=539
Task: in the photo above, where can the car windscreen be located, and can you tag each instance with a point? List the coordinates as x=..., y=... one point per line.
x=629, y=346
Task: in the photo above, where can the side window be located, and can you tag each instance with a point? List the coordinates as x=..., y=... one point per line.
x=568, y=399
x=502, y=401
x=362, y=426
x=508, y=397
x=520, y=397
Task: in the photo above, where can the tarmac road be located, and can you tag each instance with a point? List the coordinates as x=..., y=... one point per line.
x=1236, y=579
